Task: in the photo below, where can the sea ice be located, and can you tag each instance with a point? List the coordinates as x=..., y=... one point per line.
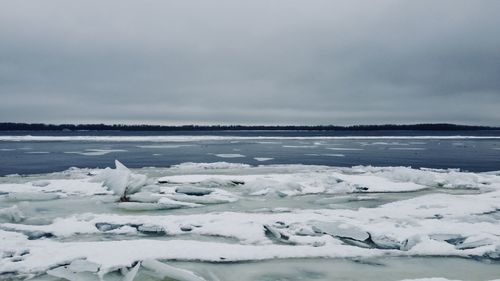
x=12, y=214
x=163, y=271
x=95, y=152
x=121, y=180
x=229, y=155
x=262, y=159
x=273, y=211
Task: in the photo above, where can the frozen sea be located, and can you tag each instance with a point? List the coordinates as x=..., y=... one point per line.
x=41, y=152
x=250, y=205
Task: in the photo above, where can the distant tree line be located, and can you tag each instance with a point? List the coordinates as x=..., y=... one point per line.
x=120, y=127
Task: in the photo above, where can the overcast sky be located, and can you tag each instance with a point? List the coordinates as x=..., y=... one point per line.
x=250, y=62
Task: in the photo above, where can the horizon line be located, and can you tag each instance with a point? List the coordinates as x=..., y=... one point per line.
x=19, y=126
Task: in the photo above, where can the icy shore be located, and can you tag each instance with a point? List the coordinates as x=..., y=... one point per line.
x=222, y=212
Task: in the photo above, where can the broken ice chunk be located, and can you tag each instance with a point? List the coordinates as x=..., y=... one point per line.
x=384, y=242
x=186, y=227
x=165, y=271
x=152, y=229
x=341, y=230
x=121, y=180
x=35, y=234
x=144, y=197
x=64, y=273
x=217, y=196
x=410, y=243
x=40, y=183
x=474, y=242
x=305, y=231
x=129, y=276
x=83, y=266
x=276, y=234
x=12, y=214
x=191, y=190
x=104, y=226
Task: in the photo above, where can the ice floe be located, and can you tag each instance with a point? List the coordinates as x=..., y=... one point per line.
x=121, y=180
x=12, y=214
x=407, y=148
x=95, y=152
x=262, y=159
x=53, y=188
x=184, y=167
x=203, y=212
x=326, y=154
x=229, y=155
x=345, y=148
x=299, y=146
x=161, y=146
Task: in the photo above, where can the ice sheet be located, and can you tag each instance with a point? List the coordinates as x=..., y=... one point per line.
x=203, y=212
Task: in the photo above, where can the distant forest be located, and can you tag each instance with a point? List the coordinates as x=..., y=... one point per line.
x=119, y=127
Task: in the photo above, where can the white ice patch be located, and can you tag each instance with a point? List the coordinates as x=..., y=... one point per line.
x=384, y=143
x=162, y=146
x=190, y=166
x=453, y=214
x=344, y=148
x=12, y=214
x=96, y=152
x=262, y=159
x=230, y=155
x=56, y=187
x=326, y=154
x=303, y=183
x=407, y=148
x=121, y=180
x=299, y=146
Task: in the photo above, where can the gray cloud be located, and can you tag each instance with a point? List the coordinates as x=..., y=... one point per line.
x=250, y=62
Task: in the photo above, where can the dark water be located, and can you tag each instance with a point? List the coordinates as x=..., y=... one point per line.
x=28, y=157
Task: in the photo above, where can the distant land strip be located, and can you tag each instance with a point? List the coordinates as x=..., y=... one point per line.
x=10, y=126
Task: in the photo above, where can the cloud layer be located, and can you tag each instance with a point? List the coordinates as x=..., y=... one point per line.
x=250, y=62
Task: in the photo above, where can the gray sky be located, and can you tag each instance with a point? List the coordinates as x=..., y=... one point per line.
x=250, y=62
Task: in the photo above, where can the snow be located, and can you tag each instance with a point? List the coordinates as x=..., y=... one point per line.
x=55, y=186
x=209, y=166
x=344, y=148
x=304, y=183
x=12, y=214
x=326, y=154
x=230, y=155
x=299, y=146
x=95, y=152
x=407, y=148
x=162, y=146
x=225, y=212
x=121, y=180
x=170, y=272
x=262, y=159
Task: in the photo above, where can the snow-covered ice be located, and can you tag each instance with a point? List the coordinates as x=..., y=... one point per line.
x=262, y=159
x=227, y=212
x=229, y=155
x=95, y=152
